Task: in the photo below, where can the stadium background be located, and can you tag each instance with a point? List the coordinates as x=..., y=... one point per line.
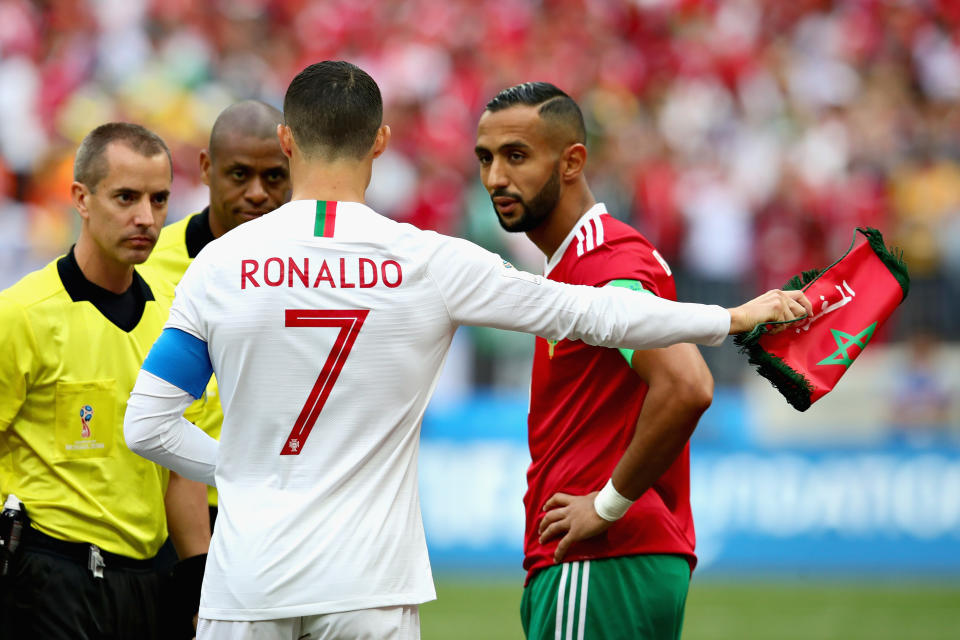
x=745, y=138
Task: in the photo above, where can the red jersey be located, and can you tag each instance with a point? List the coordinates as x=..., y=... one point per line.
x=584, y=405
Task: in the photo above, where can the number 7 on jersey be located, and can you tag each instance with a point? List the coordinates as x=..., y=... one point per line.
x=349, y=322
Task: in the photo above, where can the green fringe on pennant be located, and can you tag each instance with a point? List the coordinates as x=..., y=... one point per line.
x=802, y=280
x=744, y=340
x=793, y=385
x=891, y=258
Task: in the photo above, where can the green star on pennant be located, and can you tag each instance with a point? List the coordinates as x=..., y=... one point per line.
x=844, y=342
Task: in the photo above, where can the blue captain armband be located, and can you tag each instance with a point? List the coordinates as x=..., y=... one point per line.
x=182, y=360
x=633, y=285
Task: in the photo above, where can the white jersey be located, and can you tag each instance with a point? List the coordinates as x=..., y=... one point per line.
x=327, y=326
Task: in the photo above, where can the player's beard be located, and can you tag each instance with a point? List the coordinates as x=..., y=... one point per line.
x=536, y=210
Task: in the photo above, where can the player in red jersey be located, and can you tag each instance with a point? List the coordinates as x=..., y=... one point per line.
x=613, y=564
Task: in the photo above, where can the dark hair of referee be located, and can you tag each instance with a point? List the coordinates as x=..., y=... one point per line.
x=90, y=164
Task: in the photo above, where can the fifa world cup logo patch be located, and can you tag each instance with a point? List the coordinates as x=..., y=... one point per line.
x=86, y=415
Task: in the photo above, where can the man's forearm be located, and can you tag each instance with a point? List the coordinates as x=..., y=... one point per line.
x=680, y=390
x=188, y=517
x=663, y=429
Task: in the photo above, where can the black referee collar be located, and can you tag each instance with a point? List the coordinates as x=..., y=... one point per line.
x=198, y=234
x=122, y=309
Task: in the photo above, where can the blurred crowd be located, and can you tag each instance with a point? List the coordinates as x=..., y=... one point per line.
x=745, y=138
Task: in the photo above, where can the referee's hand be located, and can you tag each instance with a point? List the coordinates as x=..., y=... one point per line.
x=573, y=516
x=773, y=306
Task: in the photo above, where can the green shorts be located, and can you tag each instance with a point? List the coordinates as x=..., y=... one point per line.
x=631, y=597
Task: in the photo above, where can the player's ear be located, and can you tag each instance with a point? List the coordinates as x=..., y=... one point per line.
x=80, y=194
x=573, y=160
x=286, y=139
x=382, y=140
x=205, y=163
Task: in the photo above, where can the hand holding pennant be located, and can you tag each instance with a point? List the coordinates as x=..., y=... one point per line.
x=851, y=299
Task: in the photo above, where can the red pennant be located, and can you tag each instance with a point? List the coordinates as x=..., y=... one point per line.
x=851, y=299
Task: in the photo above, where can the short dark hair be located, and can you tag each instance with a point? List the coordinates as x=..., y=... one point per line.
x=554, y=104
x=90, y=164
x=333, y=109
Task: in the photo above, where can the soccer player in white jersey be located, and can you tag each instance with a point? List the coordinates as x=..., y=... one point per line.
x=327, y=326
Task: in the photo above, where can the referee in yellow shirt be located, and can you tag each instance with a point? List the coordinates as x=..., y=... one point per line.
x=74, y=335
x=248, y=176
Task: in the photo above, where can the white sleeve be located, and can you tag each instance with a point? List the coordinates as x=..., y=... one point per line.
x=154, y=427
x=479, y=288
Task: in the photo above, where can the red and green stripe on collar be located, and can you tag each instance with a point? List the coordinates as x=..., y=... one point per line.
x=326, y=219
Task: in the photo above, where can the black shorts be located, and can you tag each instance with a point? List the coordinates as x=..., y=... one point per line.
x=55, y=597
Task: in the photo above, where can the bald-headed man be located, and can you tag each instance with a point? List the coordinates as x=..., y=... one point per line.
x=248, y=176
x=244, y=167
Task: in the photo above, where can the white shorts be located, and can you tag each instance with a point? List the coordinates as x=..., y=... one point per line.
x=385, y=623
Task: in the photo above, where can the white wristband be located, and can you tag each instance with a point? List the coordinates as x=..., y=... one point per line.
x=609, y=504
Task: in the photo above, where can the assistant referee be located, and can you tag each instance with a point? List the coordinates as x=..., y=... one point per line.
x=74, y=335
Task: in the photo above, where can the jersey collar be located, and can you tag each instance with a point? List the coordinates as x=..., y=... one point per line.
x=124, y=309
x=595, y=211
x=198, y=233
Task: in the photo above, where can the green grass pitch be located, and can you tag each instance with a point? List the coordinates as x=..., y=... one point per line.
x=808, y=609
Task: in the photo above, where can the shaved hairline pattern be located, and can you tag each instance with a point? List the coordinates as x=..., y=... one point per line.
x=555, y=106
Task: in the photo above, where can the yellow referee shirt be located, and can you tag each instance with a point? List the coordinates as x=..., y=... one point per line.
x=65, y=376
x=178, y=245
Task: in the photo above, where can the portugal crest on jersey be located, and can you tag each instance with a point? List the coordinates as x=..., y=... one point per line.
x=551, y=345
x=86, y=415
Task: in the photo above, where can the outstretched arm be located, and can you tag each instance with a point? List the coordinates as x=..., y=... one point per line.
x=478, y=288
x=681, y=389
